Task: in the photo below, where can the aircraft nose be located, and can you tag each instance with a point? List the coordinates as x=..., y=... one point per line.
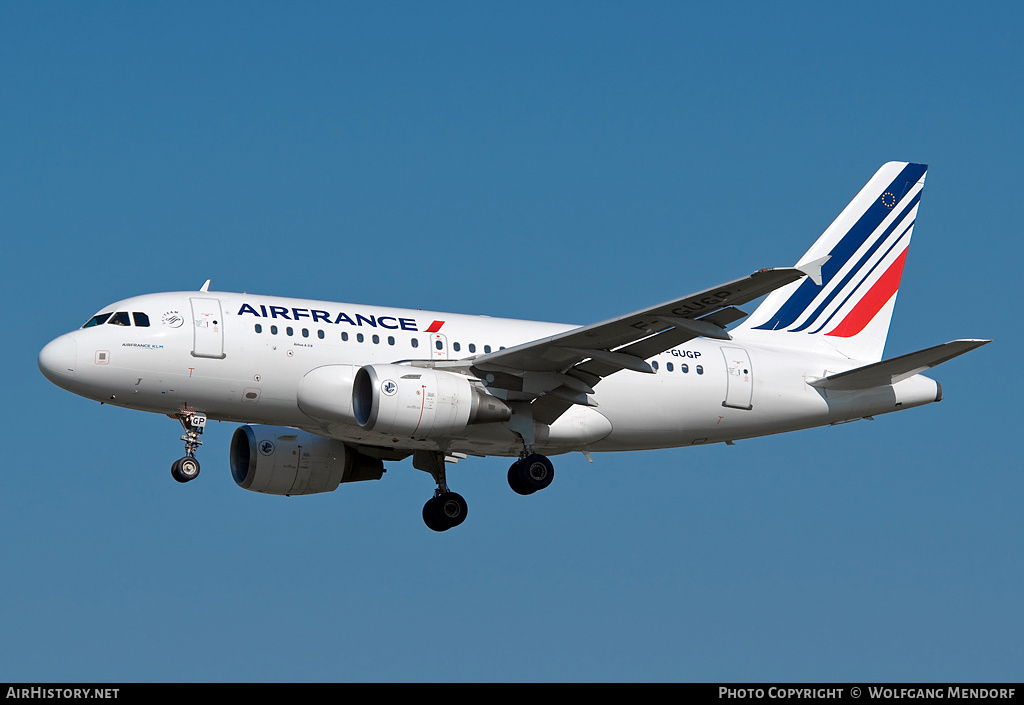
x=58, y=359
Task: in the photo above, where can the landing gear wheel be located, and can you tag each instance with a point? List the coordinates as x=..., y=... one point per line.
x=530, y=474
x=538, y=472
x=185, y=469
x=515, y=480
x=444, y=511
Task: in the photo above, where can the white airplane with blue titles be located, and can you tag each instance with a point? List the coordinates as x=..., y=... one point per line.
x=329, y=392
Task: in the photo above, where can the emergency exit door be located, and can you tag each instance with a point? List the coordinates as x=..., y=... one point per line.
x=208, y=328
x=439, y=346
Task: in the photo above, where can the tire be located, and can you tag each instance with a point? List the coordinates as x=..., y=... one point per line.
x=185, y=469
x=430, y=516
x=536, y=472
x=452, y=509
x=444, y=511
x=515, y=480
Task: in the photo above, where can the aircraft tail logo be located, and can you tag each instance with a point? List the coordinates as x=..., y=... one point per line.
x=854, y=270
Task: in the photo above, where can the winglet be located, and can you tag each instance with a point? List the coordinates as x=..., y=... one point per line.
x=813, y=268
x=206, y=286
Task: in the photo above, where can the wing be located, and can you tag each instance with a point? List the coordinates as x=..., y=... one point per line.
x=561, y=370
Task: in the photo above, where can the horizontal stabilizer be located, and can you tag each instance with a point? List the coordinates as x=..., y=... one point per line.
x=880, y=374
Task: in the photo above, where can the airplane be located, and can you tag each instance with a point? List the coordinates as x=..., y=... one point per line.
x=328, y=392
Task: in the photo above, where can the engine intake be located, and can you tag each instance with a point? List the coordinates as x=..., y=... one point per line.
x=287, y=461
x=419, y=402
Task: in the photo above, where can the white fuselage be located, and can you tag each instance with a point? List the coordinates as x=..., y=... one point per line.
x=241, y=357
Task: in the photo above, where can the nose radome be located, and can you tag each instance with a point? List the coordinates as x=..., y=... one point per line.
x=58, y=359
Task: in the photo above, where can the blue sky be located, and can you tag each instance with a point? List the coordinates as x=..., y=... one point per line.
x=554, y=161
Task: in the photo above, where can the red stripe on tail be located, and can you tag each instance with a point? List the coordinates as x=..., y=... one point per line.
x=872, y=302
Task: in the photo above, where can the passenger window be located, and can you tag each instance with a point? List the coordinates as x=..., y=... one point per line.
x=305, y=332
x=259, y=328
x=97, y=320
x=684, y=368
x=289, y=330
x=376, y=339
x=669, y=367
x=273, y=330
x=415, y=342
x=359, y=337
x=119, y=319
x=700, y=369
x=391, y=340
x=472, y=347
x=141, y=319
x=320, y=334
x=654, y=364
x=487, y=348
x=344, y=336
x=455, y=346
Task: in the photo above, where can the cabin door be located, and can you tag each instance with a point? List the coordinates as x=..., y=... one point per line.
x=740, y=378
x=208, y=328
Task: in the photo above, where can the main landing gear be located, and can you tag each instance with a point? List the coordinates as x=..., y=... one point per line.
x=187, y=468
x=531, y=473
x=446, y=509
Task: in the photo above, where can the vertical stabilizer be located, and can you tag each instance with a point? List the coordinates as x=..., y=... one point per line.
x=845, y=303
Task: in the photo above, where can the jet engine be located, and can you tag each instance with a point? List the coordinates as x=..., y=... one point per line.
x=287, y=461
x=417, y=402
x=325, y=393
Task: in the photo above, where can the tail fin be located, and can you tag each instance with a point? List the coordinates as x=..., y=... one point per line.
x=846, y=305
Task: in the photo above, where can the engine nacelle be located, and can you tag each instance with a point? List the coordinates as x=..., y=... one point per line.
x=287, y=461
x=325, y=393
x=417, y=402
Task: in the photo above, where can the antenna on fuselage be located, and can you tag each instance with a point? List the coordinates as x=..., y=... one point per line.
x=206, y=286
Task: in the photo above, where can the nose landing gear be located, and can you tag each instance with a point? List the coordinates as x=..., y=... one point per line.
x=187, y=468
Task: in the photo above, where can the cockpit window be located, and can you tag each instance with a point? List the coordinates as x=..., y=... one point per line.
x=119, y=319
x=141, y=319
x=97, y=320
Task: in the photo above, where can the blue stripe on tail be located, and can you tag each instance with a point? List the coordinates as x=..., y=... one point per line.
x=863, y=260
x=805, y=294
